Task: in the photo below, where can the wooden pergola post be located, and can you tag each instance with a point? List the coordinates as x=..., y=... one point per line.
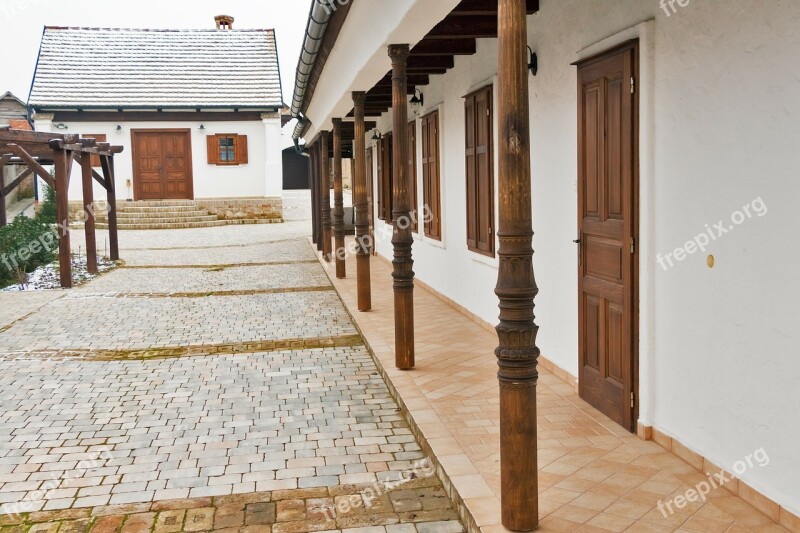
x=402, y=238
x=63, y=165
x=517, y=353
x=3, y=216
x=89, y=212
x=107, y=164
x=360, y=204
x=325, y=182
x=338, y=200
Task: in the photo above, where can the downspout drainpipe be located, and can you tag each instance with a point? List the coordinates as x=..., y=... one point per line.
x=318, y=19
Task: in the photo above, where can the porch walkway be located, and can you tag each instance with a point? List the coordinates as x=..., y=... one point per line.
x=593, y=475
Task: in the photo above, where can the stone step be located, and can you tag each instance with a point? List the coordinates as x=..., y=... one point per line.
x=171, y=225
x=164, y=220
x=159, y=214
x=157, y=203
x=158, y=209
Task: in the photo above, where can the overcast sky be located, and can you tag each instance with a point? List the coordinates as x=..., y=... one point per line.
x=23, y=21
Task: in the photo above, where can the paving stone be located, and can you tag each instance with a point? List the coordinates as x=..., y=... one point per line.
x=199, y=519
x=139, y=523
x=170, y=521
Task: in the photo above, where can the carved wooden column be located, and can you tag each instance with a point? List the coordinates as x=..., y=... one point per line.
x=338, y=200
x=360, y=204
x=89, y=212
x=402, y=238
x=325, y=181
x=517, y=353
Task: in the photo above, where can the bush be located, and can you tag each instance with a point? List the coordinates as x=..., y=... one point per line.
x=47, y=209
x=25, y=244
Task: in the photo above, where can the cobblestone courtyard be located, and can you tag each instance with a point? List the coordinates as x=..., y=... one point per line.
x=215, y=382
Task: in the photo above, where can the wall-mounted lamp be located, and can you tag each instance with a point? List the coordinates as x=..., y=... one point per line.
x=61, y=126
x=376, y=136
x=417, y=100
x=533, y=66
x=202, y=128
x=119, y=128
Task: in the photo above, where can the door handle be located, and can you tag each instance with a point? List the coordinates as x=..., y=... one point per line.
x=578, y=241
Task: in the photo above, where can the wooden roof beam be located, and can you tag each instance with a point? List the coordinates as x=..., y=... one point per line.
x=465, y=27
x=437, y=47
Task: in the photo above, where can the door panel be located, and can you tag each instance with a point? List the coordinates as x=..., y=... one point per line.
x=606, y=220
x=162, y=166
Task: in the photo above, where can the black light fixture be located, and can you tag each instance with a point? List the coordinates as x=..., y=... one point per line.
x=417, y=100
x=119, y=128
x=202, y=128
x=533, y=66
x=377, y=135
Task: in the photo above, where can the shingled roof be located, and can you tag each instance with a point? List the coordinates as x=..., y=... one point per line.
x=100, y=68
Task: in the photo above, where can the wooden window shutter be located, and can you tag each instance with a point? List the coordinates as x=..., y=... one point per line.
x=469, y=152
x=212, y=147
x=480, y=170
x=430, y=175
x=241, y=149
x=380, y=197
x=387, y=177
x=485, y=161
x=412, y=175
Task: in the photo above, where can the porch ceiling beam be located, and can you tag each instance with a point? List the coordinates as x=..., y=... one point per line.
x=413, y=79
x=465, y=27
x=436, y=47
x=423, y=62
x=429, y=70
x=489, y=7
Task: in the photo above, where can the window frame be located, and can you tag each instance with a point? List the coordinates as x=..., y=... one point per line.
x=483, y=219
x=431, y=174
x=214, y=149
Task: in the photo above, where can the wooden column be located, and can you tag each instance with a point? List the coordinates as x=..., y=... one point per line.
x=312, y=181
x=338, y=200
x=517, y=353
x=3, y=216
x=63, y=164
x=107, y=164
x=402, y=238
x=325, y=180
x=88, y=213
x=360, y=204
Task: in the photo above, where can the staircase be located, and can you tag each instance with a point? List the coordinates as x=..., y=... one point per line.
x=167, y=214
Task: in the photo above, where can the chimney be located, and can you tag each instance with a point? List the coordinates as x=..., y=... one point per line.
x=224, y=22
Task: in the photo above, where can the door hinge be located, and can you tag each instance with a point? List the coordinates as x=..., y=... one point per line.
x=633, y=245
x=633, y=399
x=633, y=85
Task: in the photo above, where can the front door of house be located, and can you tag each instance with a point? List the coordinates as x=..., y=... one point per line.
x=607, y=170
x=162, y=164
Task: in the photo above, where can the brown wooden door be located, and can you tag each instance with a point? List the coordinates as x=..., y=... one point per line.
x=162, y=164
x=606, y=220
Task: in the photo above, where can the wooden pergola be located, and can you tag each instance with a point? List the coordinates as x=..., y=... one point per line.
x=411, y=67
x=36, y=149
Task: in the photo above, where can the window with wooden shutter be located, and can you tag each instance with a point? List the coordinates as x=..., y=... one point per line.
x=227, y=149
x=479, y=169
x=412, y=175
x=385, y=181
x=98, y=137
x=431, y=195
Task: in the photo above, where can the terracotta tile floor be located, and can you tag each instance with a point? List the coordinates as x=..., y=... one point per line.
x=593, y=475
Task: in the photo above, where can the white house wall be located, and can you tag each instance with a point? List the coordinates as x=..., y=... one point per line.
x=255, y=179
x=719, y=127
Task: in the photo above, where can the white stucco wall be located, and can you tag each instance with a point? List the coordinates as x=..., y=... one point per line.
x=720, y=121
x=261, y=176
